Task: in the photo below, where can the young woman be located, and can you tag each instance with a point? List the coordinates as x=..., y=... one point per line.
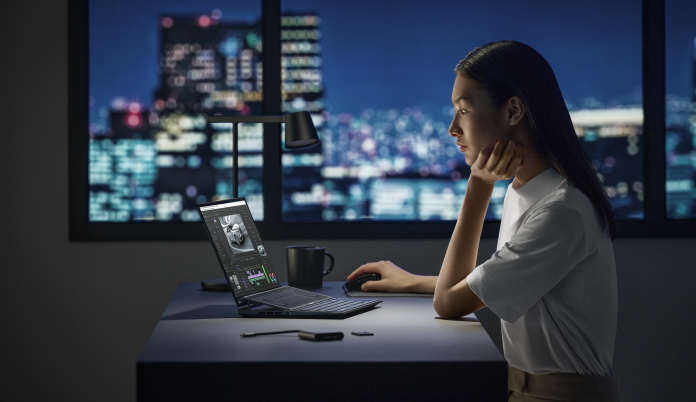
x=552, y=280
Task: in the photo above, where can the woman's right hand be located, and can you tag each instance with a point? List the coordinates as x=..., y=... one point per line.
x=500, y=162
x=394, y=279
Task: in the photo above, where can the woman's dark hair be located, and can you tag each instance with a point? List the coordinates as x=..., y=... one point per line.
x=507, y=68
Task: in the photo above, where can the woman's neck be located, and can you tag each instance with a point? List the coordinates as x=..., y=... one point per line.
x=531, y=167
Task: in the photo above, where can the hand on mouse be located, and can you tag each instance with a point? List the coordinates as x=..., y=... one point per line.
x=394, y=279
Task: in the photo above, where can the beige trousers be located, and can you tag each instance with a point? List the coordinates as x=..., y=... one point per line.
x=525, y=387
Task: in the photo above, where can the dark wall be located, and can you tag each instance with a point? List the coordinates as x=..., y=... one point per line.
x=76, y=315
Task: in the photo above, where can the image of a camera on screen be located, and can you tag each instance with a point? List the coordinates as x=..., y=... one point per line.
x=235, y=232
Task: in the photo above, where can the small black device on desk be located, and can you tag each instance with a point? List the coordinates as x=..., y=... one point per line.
x=321, y=335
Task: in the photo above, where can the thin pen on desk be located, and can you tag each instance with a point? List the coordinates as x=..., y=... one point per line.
x=250, y=334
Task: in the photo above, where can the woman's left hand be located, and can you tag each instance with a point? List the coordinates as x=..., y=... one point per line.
x=499, y=163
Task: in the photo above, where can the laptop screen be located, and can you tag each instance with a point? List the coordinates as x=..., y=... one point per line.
x=239, y=247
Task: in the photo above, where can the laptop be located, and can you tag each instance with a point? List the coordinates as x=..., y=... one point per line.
x=249, y=272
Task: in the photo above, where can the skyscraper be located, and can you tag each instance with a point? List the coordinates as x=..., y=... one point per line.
x=205, y=66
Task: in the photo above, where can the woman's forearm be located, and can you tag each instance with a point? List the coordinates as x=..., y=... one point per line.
x=451, y=290
x=422, y=284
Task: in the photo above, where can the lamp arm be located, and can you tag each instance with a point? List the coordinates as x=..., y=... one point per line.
x=247, y=119
x=235, y=120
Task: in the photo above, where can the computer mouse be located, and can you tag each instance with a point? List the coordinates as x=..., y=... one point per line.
x=355, y=284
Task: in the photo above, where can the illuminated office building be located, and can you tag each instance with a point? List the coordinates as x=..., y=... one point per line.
x=122, y=167
x=303, y=89
x=206, y=66
x=680, y=153
x=301, y=64
x=613, y=138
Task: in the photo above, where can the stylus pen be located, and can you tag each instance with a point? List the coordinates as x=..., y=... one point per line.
x=250, y=334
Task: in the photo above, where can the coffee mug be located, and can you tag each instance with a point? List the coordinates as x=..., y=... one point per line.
x=306, y=266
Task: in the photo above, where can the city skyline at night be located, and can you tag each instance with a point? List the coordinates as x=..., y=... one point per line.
x=380, y=140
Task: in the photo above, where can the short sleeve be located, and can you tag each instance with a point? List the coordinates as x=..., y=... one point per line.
x=547, y=246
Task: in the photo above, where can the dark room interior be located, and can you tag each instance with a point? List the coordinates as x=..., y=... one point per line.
x=78, y=314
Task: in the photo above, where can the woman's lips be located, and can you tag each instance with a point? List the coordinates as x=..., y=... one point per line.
x=462, y=147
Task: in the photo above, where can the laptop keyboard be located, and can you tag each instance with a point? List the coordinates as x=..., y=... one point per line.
x=289, y=297
x=302, y=300
x=333, y=305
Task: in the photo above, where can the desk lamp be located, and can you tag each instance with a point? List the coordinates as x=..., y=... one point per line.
x=299, y=133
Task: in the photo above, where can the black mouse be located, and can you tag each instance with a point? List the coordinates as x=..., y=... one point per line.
x=355, y=284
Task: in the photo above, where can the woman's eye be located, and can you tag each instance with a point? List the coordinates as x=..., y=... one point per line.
x=463, y=111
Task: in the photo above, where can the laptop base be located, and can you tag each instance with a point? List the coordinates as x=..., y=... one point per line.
x=271, y=312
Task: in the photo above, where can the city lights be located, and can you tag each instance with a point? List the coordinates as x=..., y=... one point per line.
x=154, y=160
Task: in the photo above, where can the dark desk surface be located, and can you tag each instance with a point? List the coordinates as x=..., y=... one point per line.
x=411, y=353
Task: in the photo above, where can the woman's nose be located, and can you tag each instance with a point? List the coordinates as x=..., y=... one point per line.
x=454, y=130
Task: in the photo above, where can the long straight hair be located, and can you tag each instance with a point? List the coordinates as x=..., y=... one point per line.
x=508, y=68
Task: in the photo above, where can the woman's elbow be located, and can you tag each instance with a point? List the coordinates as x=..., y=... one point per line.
x=445, y=309
x=450, y=307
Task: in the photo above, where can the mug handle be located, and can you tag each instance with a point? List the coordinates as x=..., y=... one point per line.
x=332, y=263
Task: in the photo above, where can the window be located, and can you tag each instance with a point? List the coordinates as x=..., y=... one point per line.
x=377, y=79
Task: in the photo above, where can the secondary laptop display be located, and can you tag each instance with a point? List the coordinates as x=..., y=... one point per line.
x=239, y=248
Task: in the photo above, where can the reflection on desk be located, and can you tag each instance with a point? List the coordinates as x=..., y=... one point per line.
x=196, y=353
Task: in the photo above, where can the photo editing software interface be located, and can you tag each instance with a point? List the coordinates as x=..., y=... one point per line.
x=239, y=247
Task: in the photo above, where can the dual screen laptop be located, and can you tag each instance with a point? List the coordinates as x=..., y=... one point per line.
x=250, y=275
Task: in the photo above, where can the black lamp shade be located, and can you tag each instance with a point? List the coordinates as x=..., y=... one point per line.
x=300, y=131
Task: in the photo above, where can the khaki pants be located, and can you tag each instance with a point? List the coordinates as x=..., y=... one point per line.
x=525, y=387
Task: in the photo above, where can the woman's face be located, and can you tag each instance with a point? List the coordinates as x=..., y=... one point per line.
x=476, y=123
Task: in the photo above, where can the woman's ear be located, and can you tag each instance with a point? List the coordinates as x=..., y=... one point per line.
x=516, y=110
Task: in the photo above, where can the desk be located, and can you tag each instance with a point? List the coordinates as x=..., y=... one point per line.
x=196, y=353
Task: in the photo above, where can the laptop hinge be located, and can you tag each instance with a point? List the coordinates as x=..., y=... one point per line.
x=250, y=303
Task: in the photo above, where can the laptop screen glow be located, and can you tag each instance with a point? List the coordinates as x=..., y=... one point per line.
x=239, y=247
